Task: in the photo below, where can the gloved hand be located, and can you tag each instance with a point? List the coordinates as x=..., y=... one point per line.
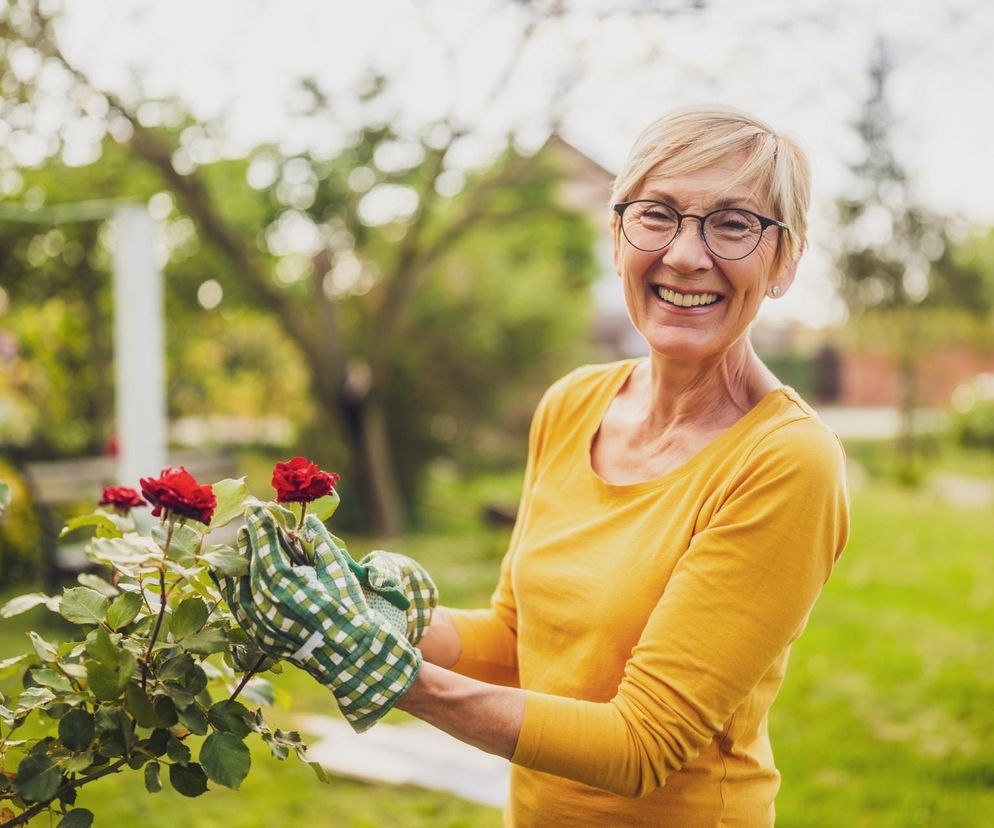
x=385, y=574
x=320, y=623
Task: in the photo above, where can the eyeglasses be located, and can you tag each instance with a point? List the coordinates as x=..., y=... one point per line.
x=729, y=233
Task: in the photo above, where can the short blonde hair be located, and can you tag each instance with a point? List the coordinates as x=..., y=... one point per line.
x=688, y=139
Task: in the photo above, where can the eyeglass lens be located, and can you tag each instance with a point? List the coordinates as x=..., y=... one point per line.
x=729, y=234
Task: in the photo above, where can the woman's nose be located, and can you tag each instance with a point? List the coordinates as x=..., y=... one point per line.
x=687, y=252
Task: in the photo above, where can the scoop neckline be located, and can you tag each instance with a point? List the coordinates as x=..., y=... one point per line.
x=641, y=486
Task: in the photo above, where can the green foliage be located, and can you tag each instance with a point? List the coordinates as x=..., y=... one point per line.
x=974, y=428
x=136, y=683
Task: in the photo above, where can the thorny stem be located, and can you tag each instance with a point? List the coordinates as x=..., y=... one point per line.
x=162, y=607
x=247, y=676
x=24, y=816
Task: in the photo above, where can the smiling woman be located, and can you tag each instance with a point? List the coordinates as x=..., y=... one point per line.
x=679, y=517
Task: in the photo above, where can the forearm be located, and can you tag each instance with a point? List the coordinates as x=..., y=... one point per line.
x=483, y=715
x=441, y=644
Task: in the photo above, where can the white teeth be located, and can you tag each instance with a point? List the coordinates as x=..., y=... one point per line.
x=686, y=300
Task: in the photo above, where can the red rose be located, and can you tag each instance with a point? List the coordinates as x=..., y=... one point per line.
x=301, y=481
x=121, y=498
x=178, y=492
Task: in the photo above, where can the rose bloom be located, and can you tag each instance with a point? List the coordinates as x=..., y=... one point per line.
x=121, y=498
x=179, y=493
x=301, y=481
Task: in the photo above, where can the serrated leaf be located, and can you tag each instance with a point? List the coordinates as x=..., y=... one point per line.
x=207, y=641
x=231, y=495
x=82, y=605
x=76, y=730
x=323, y=507
x=108, y=683
x=189, y=779
x=225, y=759
x=193, y=718
x=226, y=560
x=54, y=680
x=124, y=609
x=33, y=698
x=77, y=818
x=139, y=706
x=177, y=751
x=230, y=716
x=37, y=779
x=165, y=711
x=23, y=603
x=183, y=543
x=78, y=762
x=88, y=579
x=45, y=650
x=106, y=528
x=153, y=784
x=130, y=550
x=102, y=647
x=175, y=667
x=188, y=617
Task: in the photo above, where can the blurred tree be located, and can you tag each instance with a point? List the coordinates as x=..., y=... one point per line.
x=888, y=246
x=413, y=294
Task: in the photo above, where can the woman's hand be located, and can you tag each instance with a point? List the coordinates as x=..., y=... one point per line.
x=386, y=574
x=318, y=618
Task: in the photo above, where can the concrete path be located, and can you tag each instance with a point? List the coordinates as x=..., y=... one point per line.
x=408, y=754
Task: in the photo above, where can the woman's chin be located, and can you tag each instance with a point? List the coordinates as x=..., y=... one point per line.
x=682, y=344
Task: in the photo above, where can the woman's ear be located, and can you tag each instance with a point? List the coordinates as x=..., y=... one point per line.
x=780, y=282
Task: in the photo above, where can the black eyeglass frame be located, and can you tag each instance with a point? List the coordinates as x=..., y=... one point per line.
x=764, y=222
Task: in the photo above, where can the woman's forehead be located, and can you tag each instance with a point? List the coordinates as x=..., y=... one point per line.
x=715, y=185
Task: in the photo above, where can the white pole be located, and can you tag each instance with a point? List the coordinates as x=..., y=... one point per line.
x=139, y=343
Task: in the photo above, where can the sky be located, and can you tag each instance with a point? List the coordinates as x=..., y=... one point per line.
x=603, y=75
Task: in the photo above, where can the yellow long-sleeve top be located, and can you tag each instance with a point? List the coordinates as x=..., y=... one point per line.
x=650, y=623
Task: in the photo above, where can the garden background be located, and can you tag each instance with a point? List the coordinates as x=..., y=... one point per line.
x=382, y=233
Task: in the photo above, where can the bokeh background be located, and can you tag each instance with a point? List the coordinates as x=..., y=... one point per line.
x=381, y=230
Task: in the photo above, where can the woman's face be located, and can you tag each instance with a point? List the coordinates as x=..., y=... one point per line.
x=687, y=267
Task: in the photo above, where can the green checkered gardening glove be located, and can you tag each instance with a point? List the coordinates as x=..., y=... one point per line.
x=322, y=624
x=385, y=575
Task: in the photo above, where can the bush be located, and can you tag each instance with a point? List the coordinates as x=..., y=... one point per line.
x=21, y=533
x=973, y=416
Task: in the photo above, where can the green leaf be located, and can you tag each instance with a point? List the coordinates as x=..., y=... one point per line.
x=76, y=730
x=320, y=772
x=175, y=667
x=189, y=780
x=4, y=497
x=153, y=784
x=193, y=718
x=9, y=665
x=207, y=641
x=124, y=609
x=33, y=698
x=183, y=544
x=225, y=759
x=177, y=751
x=77, y=818
x=22, y=603
x=226, y=560
x=131, y=550
x=260, y=691
x=50, y=678
x=106, y=528
x=78, y=762
x=139, y=706
x=231, y=496
x=45, y=650
x=88, y=579
x=188, y=617
x=108, y=683
x=165, y=711
x=323, y=507
x=230, y=717
x=103, y=647
x=82, y=605
x=37, y=779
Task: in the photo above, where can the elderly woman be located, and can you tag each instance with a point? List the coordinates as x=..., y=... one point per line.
x=679, y=517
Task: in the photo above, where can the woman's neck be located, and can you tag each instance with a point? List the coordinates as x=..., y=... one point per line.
x=715, y=392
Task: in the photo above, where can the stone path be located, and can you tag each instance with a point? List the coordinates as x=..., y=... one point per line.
x=408, y=754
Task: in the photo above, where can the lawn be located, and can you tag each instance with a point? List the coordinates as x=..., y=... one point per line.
x=885, y=718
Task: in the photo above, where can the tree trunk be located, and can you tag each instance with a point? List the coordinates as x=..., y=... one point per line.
x=377, y=476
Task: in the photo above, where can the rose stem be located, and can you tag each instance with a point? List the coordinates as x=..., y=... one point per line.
x=247, y=676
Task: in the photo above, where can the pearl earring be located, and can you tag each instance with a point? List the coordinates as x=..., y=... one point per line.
x=775, y=291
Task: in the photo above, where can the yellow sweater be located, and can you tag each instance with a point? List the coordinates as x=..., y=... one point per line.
x=650, y=623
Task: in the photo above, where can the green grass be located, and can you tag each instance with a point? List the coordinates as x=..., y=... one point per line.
x=885, y=718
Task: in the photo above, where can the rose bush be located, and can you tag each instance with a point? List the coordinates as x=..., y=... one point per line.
x=157, y=658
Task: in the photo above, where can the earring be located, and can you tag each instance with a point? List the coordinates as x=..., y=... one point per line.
x=775, y=291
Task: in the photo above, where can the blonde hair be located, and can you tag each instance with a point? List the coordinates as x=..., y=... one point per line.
x=688, y=139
